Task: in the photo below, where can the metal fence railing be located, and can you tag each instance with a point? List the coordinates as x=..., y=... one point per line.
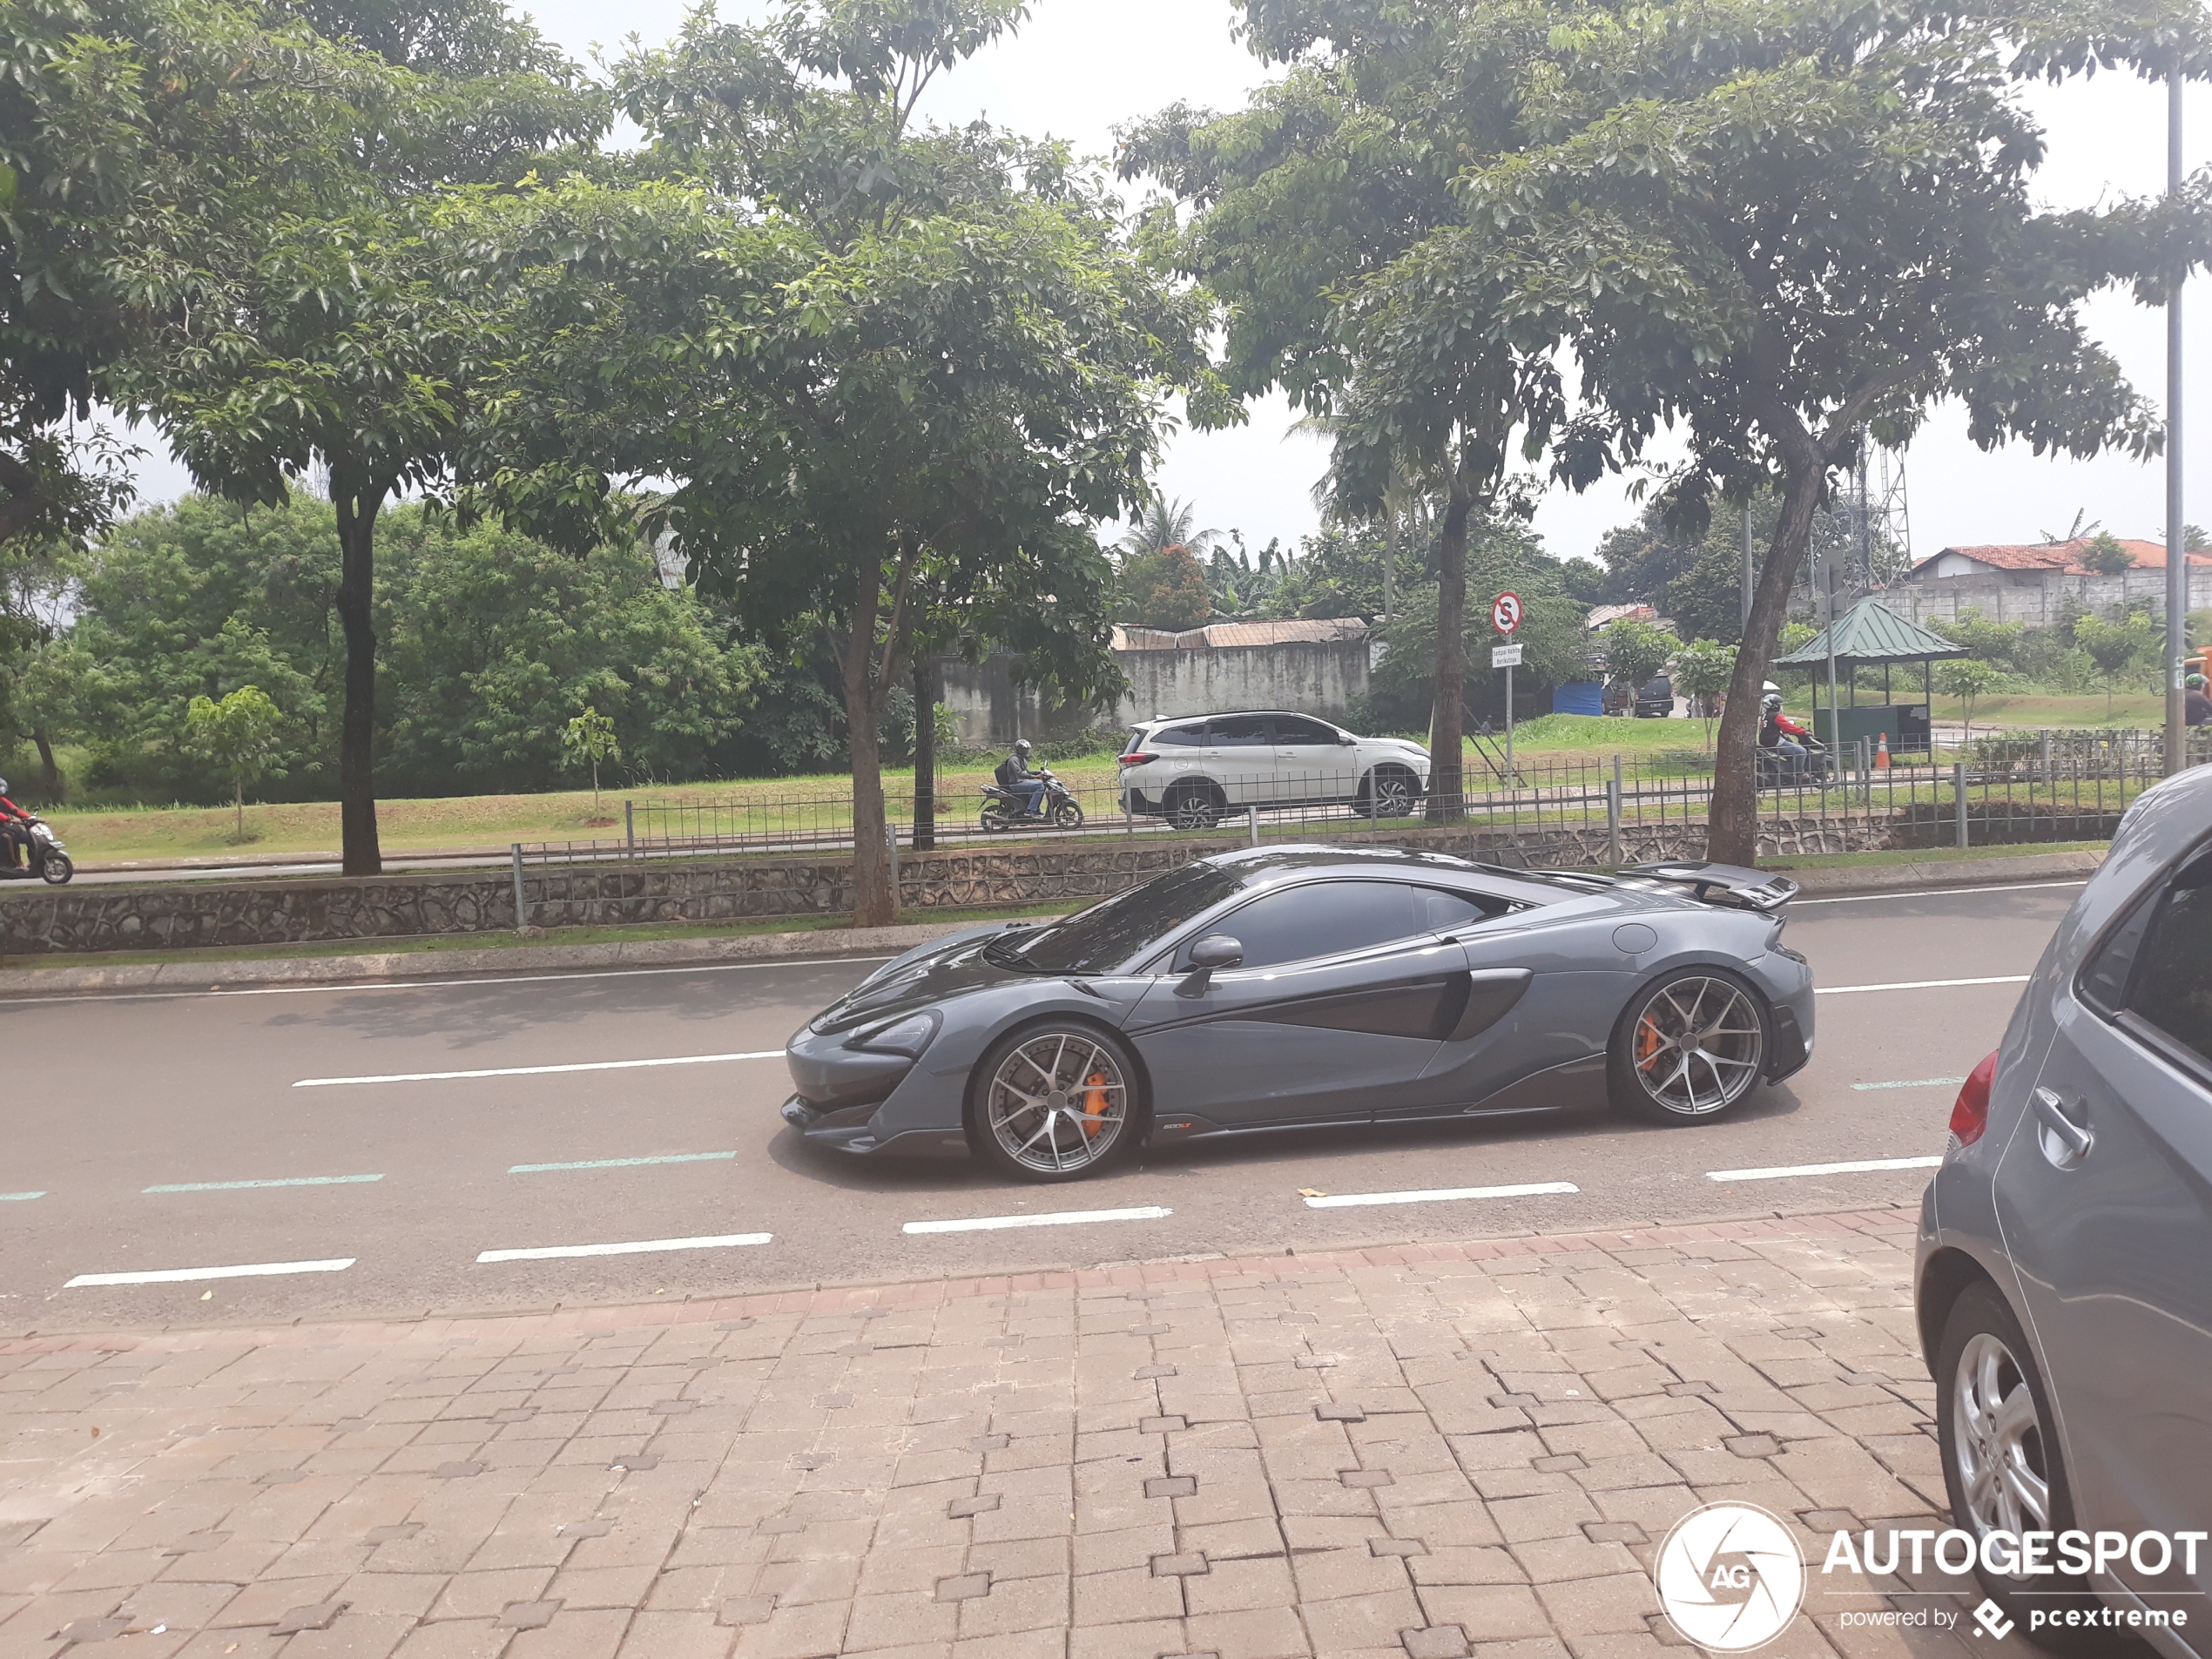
x=761, y=854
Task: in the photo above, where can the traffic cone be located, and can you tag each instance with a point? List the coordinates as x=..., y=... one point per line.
x=1882, y=752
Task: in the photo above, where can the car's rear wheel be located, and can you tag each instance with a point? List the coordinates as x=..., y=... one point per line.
x=1390, y=792
x=2002, y=1466
x=1194, y=807
x=1689, y=1045
x=1057, y=1101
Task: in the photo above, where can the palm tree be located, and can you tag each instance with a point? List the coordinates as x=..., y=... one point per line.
x=1167, y=524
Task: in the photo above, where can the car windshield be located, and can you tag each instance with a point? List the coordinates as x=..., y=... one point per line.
x=1115, y=929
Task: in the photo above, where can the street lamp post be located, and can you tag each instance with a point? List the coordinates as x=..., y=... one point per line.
x=2177, y=569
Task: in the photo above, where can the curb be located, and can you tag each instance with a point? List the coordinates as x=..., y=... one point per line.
x=828, y=943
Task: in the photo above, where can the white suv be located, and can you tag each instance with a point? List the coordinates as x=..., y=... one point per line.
x=1195, y=769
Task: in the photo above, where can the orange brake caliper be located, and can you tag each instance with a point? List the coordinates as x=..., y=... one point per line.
x=1647, y=1043
x=1095, y=1104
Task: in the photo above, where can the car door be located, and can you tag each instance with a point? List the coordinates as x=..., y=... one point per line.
x=2105, y=1196
x=1333, y=1014
x=1240, y=750
x=1311, y=761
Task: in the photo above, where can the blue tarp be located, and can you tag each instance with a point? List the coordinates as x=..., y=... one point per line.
x=1579, y=697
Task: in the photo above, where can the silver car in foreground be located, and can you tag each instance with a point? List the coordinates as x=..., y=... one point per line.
x=2064, y=1286
x=1310, y=986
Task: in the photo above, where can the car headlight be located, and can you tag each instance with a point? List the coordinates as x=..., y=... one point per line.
x=909, y=1036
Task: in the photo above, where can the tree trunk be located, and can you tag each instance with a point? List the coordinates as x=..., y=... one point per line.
x=358, y=506
x=50, y=774
x=874, y=904
x=1447, y=717
x=1732, y=831
x=239, y=798
x=926, y=671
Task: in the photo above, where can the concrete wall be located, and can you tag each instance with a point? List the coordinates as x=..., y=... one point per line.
x=2035, y=600
x=177, y=915
x=1310, y=677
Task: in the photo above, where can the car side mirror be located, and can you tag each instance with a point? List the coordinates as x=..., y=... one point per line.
x=1345, y=740
x=1215, y=950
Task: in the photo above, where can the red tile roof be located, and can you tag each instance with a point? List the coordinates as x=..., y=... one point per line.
x=2063, y=558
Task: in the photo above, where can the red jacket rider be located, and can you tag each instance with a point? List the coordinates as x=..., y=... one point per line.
x=12, y=820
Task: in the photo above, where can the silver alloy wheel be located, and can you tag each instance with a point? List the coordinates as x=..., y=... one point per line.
x=1057, y=1103
x=1698, y=1045
x=1997, y=1441
x=1190, y=807
x=1390, y=794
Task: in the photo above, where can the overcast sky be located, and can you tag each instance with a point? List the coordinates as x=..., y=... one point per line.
x=1079, y=67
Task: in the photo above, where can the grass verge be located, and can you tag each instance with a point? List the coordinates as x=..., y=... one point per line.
x=1928, y=855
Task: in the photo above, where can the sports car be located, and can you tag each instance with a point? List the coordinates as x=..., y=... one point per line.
x=1300, y=987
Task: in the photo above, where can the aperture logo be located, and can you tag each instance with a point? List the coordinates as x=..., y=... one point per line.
x=1731, y=1577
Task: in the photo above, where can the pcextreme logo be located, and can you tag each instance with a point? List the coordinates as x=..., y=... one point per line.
x=1731, y=1577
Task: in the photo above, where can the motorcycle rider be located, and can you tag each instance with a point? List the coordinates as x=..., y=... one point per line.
x=1014, y=774
x=14, y=831
x=1790, y=742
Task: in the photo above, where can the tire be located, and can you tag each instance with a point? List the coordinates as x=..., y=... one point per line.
x=1983, y=1362
x=58, y=869
x=1682, y=1013
x=1037, y=1109
x=1193, y=806
x=1390, y=792
x=994, y=821
x=1068, y=815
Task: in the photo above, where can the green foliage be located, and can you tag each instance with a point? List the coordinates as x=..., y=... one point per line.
x=1634, y=650
x=1967, y=679
x=1167, y=589
x=2105, y=556
x=588, y=740
x=2121, y=648
x=239, y=734
x=1702, y=670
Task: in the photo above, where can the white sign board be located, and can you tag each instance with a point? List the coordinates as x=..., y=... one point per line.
x=1505, y=612
x=1505, y=657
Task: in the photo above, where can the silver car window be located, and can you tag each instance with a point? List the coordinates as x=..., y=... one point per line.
x=1238, y=732
x=1440, y=911
x=1318, y=919
x=1179, y=737
x=2171, y=988
x=1289, y=730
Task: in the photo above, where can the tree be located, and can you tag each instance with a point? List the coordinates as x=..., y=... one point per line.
x=1967, y=679
x=37, y=592
x=588, y=740
x=1708, y=203
x=870, y=344
x=1167, y=589
x=238, y=734
x=1702, y=670
x=1635, y=651
x=2105, y=556
x=2116, y=645
x=1164, y=524
x=336, y=335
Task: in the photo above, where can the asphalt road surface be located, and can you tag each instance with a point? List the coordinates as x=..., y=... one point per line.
x=169, y=1135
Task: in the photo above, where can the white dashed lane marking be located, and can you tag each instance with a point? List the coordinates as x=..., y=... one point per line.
x=1438, y=1195
x=642, y=1247
x=1858, y=1166
x=1062, y=1218
x=539, y=1071
x=185, y=1275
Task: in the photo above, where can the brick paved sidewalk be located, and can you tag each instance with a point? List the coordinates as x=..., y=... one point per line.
x=1425, y=1452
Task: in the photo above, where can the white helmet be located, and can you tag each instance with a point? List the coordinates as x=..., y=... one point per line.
x=1021, y=745
x=1772, y=702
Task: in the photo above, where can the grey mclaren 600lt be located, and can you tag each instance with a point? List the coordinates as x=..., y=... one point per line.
x=1306, y=987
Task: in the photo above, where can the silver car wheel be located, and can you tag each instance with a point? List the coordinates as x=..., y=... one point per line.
x=1698, y=1045
x=1390, y=794
x=1057, y=1104
x=1998, y=1440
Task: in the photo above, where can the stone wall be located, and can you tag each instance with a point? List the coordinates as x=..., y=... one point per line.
x=176, y=915
x=2034, y=599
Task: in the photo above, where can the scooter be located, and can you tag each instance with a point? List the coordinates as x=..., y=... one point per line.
x=1004, y=809
x=1819, y=769
x=50, y=860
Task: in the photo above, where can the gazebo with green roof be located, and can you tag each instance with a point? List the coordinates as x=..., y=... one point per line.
x=1867, y=634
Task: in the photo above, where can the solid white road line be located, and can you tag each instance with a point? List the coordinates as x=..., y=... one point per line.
x=1920, y=985
x=1063, y=1218
x=1438, y=1195
x=1914, y=1082
x=1930, y=893
x=643, y=1247
x=538, y=1071
x=185, y=1275
x=19, y=1198
x=1860, y=1166
x=450, y=984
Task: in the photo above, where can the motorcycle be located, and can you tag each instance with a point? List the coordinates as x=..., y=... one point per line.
x=1004, y=809
x=1818, y=771
x=50, y=860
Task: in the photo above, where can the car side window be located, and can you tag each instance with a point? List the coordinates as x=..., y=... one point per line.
x=1289, y=730
x=1440, y=911
x=1238, y=732
x=2103, y=981
x=1179, y=737
x=2171, y=988
x=1320, y=919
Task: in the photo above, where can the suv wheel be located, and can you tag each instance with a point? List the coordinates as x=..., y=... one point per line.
x=1193, y=806
x=1390, y=792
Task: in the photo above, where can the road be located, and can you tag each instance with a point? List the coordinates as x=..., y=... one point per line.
x=161, y=1133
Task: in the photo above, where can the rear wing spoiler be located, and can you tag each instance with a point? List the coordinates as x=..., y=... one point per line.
x=1730, y=884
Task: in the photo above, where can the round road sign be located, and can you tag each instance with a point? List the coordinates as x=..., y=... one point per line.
x=1505, y=612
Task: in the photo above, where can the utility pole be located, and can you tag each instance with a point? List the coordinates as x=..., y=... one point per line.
x=1749, y=576
x=2177, y=563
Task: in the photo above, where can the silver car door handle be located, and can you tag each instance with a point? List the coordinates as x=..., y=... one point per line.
x=2052, y=1111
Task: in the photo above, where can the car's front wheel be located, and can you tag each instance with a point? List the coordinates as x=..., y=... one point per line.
x=1055, y=1102
x=1689, y=1045
x=1391, y=792
x=1193, y=806
x=2002, y=1466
